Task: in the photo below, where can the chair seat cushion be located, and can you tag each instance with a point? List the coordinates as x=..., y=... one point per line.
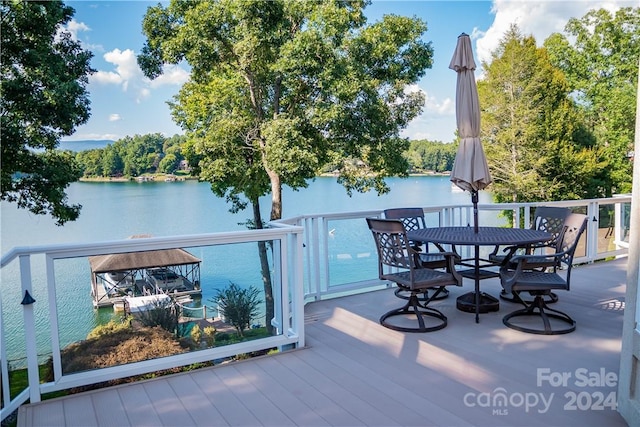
x=424, y=278
x=533, y=281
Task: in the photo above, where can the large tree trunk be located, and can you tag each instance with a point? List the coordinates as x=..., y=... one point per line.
x=276, y=196
x=264, y=267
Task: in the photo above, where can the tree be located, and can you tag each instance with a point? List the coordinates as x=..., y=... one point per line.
x=536, y=147
x=44, y=97
x=169, y=163
x=281, y=88
x=140, y=153
x=601, y=65
x=91, y=162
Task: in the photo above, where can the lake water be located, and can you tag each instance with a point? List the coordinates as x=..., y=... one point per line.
x=114, y=211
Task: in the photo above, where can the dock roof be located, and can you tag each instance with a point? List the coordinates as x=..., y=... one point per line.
x=139, y=260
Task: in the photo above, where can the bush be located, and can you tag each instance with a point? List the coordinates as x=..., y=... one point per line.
x=196, y=335
x=239, y=306
x=119, y=348
x=165, y=315
x=110, y=327
x=210, y=335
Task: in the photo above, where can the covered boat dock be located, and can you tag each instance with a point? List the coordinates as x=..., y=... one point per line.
x=170, y=271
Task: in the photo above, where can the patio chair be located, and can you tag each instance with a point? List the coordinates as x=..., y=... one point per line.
x=398, y=262
x=546, y=218
x=413, y=219
x=517, y=276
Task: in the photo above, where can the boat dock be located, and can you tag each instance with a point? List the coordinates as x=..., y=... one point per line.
x=103, y=299
x=116, y=277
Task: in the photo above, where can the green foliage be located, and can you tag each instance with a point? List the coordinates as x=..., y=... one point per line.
x=168, y=164
x=133, y=156
x=44, y=97
x=434, y=156
x=599, y=54
x=240, y=306
x=530, y=127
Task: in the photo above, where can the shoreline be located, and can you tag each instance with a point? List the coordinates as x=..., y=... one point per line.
x=173, y=178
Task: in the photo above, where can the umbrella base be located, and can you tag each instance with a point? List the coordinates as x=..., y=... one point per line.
x=483, y=274
x=488, y=303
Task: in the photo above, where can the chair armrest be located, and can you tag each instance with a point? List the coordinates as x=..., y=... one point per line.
x=523, y=260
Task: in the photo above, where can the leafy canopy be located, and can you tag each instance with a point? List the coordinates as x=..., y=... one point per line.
x=280, y=89
x=599, y=54
x=43, y=98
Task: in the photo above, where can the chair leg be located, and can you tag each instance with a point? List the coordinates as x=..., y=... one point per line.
x=413, y=307
x=405, y=294
x=515, y=297
x=540, y=309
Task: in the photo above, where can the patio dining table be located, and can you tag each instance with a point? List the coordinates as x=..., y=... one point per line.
x=486, y=236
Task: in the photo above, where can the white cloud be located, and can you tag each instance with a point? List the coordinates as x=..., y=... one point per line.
x=431, y=104
x=105, y=77
x=538, y=18
x=114, y=117
x=128, y=75
x=432, y=127
x=74, y=27
x=443, y=108
x=172, y=75
x=436, y=118
x=126, y=64
x=89, y=136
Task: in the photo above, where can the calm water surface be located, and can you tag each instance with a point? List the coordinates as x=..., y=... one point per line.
x=114, y=211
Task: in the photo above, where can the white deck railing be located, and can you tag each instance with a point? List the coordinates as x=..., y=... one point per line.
x=314, y=257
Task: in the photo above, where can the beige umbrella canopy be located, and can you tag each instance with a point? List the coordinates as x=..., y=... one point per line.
x=470, y=170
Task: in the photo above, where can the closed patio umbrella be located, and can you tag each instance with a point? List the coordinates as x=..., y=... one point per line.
x=470, y=170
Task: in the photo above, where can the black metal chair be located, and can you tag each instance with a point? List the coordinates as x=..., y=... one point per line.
x=413, y=219
x=546, y=218
x=518, y=276
x=398, y=262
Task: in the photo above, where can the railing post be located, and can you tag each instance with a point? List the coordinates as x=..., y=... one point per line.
x=30, y=329
x=295, y=290
x=592, y=230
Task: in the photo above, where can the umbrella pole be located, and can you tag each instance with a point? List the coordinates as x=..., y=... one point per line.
x=474, y=200
x=478, y=296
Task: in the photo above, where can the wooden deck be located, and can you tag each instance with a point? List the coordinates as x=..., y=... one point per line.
x=355, y=372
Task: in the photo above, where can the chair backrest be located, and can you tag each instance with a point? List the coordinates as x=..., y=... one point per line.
x=551, y=219
x=412, y=218
x=574, y=226
x=391, y=243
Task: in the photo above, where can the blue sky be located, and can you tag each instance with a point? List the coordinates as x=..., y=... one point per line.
x=124, y=102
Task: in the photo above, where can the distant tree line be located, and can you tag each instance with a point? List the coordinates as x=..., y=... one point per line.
x=133, y=156
x=153, y=153
x=430, y=156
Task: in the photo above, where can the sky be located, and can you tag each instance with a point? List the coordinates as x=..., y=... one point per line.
x=126, y=103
